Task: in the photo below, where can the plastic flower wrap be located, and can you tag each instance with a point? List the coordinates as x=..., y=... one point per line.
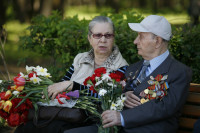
x=109, y=87
x=21, y=94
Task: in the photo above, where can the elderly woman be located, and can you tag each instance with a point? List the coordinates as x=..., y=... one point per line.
x=103, y=54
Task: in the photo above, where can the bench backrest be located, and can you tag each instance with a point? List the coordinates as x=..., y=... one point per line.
x=191, y=110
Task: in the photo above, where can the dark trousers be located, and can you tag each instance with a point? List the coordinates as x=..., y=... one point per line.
x=56, y=126
x=197, y=126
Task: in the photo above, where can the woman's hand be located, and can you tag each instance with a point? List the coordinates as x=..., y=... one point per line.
x=131, y=100
x=55, y=89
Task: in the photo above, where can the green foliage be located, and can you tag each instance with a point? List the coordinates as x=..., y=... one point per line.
x=62, y=39
x=59, y=39
x=185, y=47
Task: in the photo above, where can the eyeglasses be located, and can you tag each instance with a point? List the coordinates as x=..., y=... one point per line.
x=99, y=35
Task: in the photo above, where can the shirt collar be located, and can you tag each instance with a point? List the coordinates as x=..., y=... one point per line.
x=155, y=62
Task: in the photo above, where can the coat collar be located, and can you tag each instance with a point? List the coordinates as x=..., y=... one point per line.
x=89, y=58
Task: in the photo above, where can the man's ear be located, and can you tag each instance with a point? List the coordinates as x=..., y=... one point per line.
x=158, y=41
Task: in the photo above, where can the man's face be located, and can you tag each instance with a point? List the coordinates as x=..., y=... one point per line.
x=146, y=45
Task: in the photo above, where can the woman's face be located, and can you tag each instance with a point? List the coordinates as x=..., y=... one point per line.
x=102, y=45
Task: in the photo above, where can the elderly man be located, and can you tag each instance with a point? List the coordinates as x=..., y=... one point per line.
x=159, y=110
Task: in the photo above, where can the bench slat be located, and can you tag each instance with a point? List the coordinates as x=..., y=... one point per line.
x=191, y=110
x=194, y=97
x=187, y=122
x=194, y=87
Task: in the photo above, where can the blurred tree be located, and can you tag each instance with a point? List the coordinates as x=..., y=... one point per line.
x=24, y=10
x=114, y=4
x=3, y=11
x=155, y=6
x=46, y=7
x=194, y=11
x=142, y=3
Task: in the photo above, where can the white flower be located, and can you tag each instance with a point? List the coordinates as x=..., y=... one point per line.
x=106, y=77
x=123, y=97
x=35, y=79
x=15, y=93
x=123, y=83
x=98, y=83
x=146, y=91
x=113, y=106
x=97, y=78
x=102, y=92
x=47, y=75
x=112, y=85
x=1, y=81
x=41, y=71
x=22, y=75
x=29, y=69
x=119, y=101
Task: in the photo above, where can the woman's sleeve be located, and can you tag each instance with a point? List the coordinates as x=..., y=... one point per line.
x=121, y=71
x=76, y=85
x=68, y=74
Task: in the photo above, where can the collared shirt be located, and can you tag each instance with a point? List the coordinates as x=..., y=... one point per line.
x=154, y=63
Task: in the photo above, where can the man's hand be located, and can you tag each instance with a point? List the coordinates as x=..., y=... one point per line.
x=55, y=89
x=131, y=100
x=111, y=118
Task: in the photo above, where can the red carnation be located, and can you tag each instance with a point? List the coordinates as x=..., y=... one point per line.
x=92, y=89
x=93, y=78
x=120, y=74
x=86, y=80
x=100, y=71
x=4, y=114
x=115, y=76
x=31, y=74
x=14, y=119
x=24, y=116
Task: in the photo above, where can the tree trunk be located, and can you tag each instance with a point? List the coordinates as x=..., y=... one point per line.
x=3, y=6
x=113, y=4
x=155, y=8
x=47, y=7
x=142, y=3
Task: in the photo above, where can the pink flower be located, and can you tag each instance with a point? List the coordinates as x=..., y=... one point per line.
x=19, y=81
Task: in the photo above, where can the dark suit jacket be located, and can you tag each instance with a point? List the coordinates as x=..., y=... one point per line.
x=157, y=116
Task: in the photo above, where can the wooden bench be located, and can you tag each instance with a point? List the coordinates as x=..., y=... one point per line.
x=191, y=110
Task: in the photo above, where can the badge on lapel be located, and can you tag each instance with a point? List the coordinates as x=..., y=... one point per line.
x=157, y=89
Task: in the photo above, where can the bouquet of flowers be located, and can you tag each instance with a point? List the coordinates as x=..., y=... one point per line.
x=26, y=91
x=21, y=94
x=109, y=88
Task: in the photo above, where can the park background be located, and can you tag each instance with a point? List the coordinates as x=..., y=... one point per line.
x=50, y=33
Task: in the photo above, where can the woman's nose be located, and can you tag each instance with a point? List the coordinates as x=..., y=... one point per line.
x=103, y=39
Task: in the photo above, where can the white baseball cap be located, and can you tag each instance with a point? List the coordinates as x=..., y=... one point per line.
x=155, y=24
